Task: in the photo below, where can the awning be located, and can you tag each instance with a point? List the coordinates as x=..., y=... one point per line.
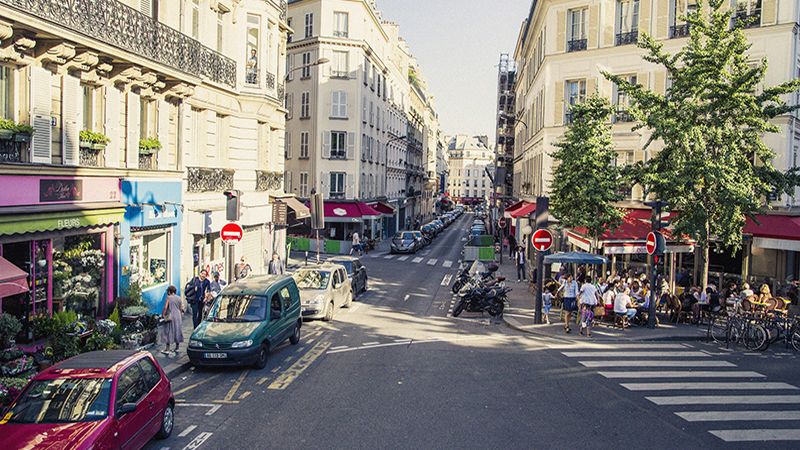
x=511, y=208
x=301, y=211
x=629, y=238
x=13, y=280
x=349, y=212
x=575, y=258
x=775, y=232
x=524, y=211
x=38, y=223
x=383, y=208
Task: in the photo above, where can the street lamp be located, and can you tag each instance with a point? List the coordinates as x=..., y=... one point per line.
x=318, y=62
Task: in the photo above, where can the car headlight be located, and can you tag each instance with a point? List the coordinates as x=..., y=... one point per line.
x=317, y=300
x=242, y=344
x=194, y=343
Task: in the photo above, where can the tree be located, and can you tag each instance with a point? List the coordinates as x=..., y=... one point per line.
x=714, y=169
x=585, y=180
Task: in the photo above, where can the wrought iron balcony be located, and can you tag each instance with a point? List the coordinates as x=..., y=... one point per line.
x=576, y=45
x=268, y=181
x=751, y=20
x=628, y=38
x=202, y=179
x=679, y=31
x=568, y=117
x=116, y=24
x=270, y=80
x=284, y=10
x=92, y=158
x=148, y=161
x=622, y=115
x=11, y=151
x=251, y=77
x=336, y=196
x=281, y=91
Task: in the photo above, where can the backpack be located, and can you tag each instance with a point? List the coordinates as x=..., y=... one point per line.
x=189, y=291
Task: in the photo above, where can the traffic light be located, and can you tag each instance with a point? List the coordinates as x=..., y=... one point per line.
x=233, y=205
x=317, y=211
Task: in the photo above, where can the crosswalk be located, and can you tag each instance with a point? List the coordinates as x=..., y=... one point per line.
x=446, y=263
x=733, y=405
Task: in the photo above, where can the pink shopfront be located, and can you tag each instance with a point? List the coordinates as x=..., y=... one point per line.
x=57, y=244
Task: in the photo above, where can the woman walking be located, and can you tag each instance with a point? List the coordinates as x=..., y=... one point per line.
x=171, y=332
x=570, y=288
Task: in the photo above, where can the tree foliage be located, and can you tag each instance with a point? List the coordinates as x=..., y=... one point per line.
x=585, y=180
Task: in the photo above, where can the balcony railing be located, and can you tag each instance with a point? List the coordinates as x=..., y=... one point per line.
x=251, y=77
x=622, y=115
x=284, y=10
x=11, y=151
x=148, y=161
x=270, y=80
x=91, y=158
x=751, y=20
x=202, y=179
x=281, y=91
x=336, y=195
x=268, y=181
x=679, y=31
x=576, y=45
x=628, y=38
x=116, y=24
x=339, y=33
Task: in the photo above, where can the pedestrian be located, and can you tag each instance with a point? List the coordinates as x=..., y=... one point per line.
x=570, y=288
x=172, y=315
x=355, y=244
x=547, y=303
x=216, y=285
x=519, y=260
x=589, y=298
x=242, y=269
x=276, y=265
x=195, y=292
x=512, y=245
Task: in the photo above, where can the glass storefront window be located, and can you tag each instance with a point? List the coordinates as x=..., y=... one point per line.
x=149, y=254
x=78, y=268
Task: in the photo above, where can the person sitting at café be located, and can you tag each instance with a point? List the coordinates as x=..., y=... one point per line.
x=623, y=305
x=764, y=293
x=609, y=295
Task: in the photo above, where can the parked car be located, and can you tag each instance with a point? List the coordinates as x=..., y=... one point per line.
x=356, y=272
x=405, y=242
x=248, y=319
x=116, y=399
x=323, y=289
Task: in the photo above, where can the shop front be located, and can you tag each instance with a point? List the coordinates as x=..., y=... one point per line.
x=150, y=247
x=59, y=233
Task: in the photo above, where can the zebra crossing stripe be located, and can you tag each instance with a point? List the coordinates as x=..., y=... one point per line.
x=417, y=260
x=726, y=400
x=432, y=262
x=656, y=363
x=403, y=258
x=595, y=346
x=447, y=263
x=724, y=416
x=635, y=354
x=791, y=434
x=389, y=256
x=682, y=374
x=693, y=385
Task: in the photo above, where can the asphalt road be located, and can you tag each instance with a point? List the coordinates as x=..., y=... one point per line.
x=395, y=371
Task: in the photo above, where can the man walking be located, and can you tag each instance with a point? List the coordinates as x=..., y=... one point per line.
x=276, y=265
x=519, y=259
x=195, y=292
x=512, y=245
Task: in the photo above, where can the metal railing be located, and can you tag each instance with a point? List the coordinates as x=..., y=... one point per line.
x=576, y=45
x=752, y=20
x=622, y=115
x=679, y=31
x=252, y=76
x=202, y=179
x=148, y=161
x=91, y=158
x=270, y=80
x=628, y=38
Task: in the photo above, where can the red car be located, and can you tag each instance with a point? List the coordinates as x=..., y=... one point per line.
x=118, y=399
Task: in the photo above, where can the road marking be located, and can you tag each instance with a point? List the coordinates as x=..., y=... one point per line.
x=432, y=261
x=682, y=374
x=424, y=341
x=338, y=347
x=296, y=369
x=446, y=279
x=656, y=363
x=188, y=430
x=190, y=387
x=236, y=385
x=447, y=263
x=403, y=341
x=417, y=260
x=288, y=358
x=245, y=395
x=403, y=258
x=214, y=408
x=791, y=434
x=593, y=346
x=370, y=343
x=724, y=416
x=405, y=299
x=388, y=256
x=725, y=399
x=694, y=385
x=198, y=441
x=635, y=354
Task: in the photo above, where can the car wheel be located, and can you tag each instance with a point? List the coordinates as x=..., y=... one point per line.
x=261, y=361
x=329, y=313
x=295, y=338
x=167, y=422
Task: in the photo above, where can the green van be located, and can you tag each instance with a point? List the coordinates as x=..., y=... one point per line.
x=248, y=319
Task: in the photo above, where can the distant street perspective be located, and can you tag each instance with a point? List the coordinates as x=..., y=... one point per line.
x=368, y=224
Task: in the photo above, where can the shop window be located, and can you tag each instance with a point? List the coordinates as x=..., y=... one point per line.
x=78, y=265
x=149, y=262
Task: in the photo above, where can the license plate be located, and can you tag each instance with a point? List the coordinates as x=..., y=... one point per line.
x=215, y=355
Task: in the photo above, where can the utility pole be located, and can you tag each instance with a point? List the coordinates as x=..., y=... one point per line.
x=656, y=223
x=542, y=215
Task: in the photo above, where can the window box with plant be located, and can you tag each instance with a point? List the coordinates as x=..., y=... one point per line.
x=149, y=146
x=7, y=129
x=93, y=140
x=23, y=133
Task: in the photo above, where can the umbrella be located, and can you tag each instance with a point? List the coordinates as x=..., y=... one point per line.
x=575, y=258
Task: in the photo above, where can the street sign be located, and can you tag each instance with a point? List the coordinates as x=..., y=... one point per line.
x=232, y=233
x=542, y=239
x=651, y=243
x=656, y=244
x=502, y=222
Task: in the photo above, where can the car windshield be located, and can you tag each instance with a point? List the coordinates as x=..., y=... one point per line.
x=312, y=279
x=418, y=234
x=404, y=236
x=347, y=265
x=239, y=308
x=63, y=400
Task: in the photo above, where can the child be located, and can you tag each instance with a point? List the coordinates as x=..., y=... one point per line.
x=547, y=303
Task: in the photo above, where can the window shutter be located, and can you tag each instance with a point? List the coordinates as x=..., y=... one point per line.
x=558, y=111
x=594, y=20
x=113, y=98
x=289, y=71
x=41, y=102
x=164, y=110
x=132, y=131
x=334, y=103
x=343, y=103
x=146, y=7
x=71, y=119
x=348, y=187
x=561, y=30
x=326, y=144
x=351, y=145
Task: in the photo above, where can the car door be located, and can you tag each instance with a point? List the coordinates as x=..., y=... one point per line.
x=131, y=427
x=359, y=276
x=275, y=316
x=336, y=288
x=345, y=286
x=287, y=320
x=155, y=399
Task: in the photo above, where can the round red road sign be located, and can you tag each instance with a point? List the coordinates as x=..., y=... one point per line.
x=232, y=233
x=542, y=239
x=651, y=243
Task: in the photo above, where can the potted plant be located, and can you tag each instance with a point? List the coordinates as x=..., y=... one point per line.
x=7, y=128
x=10, y=326
x=23, y=133
x=149, y=146
x=93, y=140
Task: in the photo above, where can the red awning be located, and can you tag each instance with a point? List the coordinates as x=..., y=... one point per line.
x=513, y=207
x=774, y=227
x=383, y=208
x=524, y=211
x=348, y=211
x=13, y=280
x=630, y=236
x=367, y=210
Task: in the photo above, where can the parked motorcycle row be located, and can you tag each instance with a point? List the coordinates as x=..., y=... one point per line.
x=413, y=241
x=480, y=291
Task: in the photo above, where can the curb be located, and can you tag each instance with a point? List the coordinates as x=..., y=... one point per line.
x=177, y=370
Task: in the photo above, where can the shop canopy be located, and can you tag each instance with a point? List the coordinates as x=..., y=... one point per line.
x=349, y=212
x=513, y=207
x=301, y=211
x=59, y=220
x=575, y=258
x=13, y=280
x=775, y=232
x=524, y=211
x=383, y=208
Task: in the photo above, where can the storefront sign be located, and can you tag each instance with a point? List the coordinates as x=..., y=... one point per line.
x=54, y=190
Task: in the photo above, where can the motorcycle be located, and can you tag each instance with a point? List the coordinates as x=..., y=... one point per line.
x=491, y=299
x=464, y=278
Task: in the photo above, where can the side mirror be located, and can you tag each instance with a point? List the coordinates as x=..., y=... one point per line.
x=125, y=409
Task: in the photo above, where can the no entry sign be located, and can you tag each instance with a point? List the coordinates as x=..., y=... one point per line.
x=232, y=233
x=651, y=243
x=542, y=239
x=656, y=244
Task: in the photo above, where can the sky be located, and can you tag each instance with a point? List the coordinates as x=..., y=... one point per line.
x=458, y=45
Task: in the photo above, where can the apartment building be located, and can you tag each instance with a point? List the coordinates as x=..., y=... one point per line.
x=142, y=114
x=471, y=164
x=564, y=45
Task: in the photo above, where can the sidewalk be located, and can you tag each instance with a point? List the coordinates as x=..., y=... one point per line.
x=519, y=316
x=173, y=364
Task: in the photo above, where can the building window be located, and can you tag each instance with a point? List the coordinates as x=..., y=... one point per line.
x=289, y=106
x=304, y=145
x=679, y=9
x=149, y=253
x=303, y=184
x=340, y=24
x=371, y=113
x=338, y=145
x=366, y=71
x=195, y=19
x=288, y=144
x=576, y=29
x=220, y=30
x=88, y=107
x=253, y=34
x=305, y=105
x=309, y=25
x=622, y=102
x=339, y=104
x=6, y=92
x=575, y=93
x=748, y=11
x=305, y=71
x=337, y=184
x=627, y=22
x=287, y=181
x=147, y=118
x=289, y=35
x=340, y=65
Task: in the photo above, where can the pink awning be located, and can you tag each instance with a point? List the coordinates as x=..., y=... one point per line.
x=349, y=211
x=13, y=280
